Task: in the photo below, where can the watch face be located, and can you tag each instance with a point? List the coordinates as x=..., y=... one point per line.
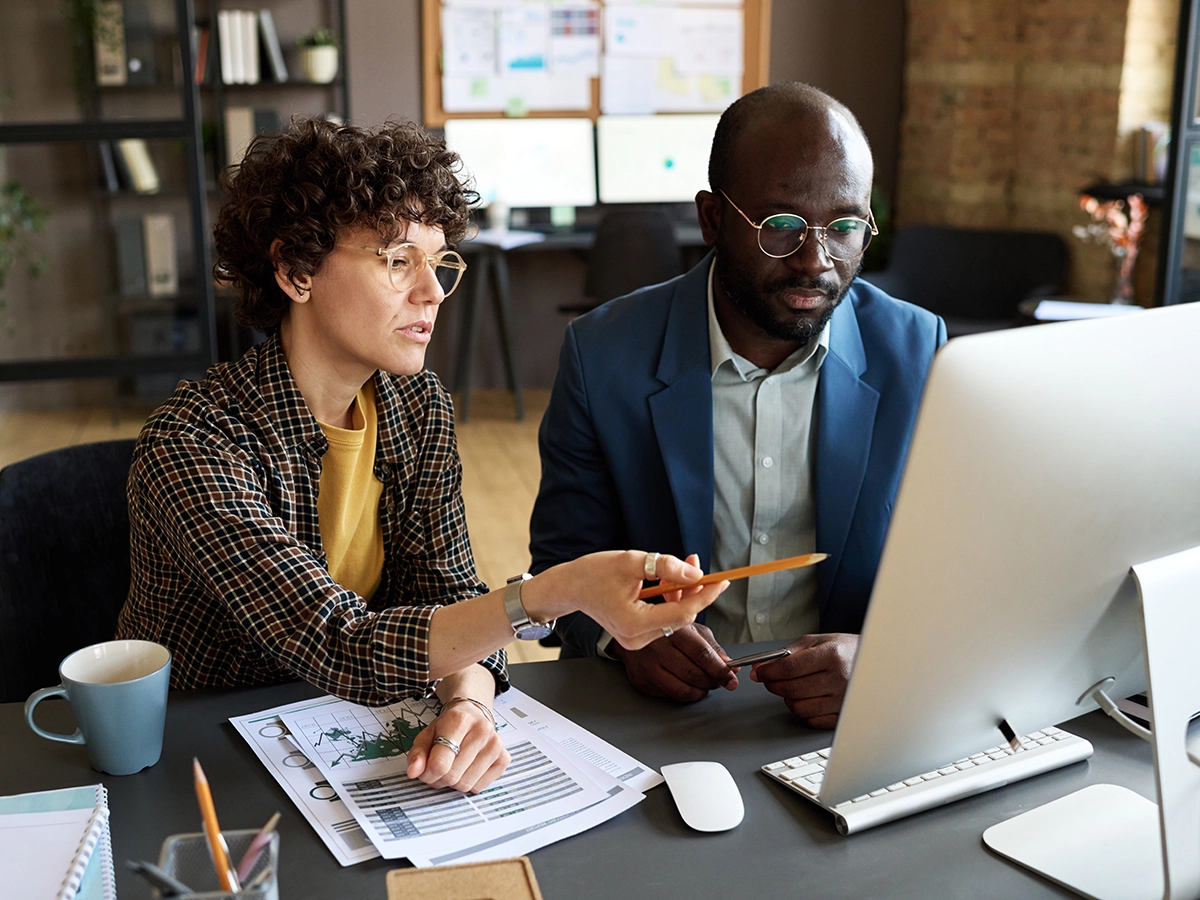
x=533, y=632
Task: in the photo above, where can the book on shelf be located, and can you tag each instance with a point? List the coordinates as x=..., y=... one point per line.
x=162, y=266
x=131, y=256
x=135, y=155
x=108, y=165
x=200, y=48
x=57, y=844
x=139, y=43
x=233, y=61
x=224, y=41
x=242, y=125
x=250, y=62
x=1151, y=143
x=271, y=47
x=109, y=43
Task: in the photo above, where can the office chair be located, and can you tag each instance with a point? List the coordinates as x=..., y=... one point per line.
x=975, y=280
x=64, y=558
x=633, y=248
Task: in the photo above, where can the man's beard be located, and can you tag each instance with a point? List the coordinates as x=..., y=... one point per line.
x=798, y=329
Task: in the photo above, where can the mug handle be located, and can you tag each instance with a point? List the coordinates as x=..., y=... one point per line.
x=37, y=697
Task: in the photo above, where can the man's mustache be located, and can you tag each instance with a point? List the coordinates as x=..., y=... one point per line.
x=823, y=285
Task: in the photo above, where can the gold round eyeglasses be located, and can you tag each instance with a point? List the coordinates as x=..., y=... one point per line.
x=783, y=234
x=405, y=263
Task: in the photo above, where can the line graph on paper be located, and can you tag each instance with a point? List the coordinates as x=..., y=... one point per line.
x=352, y=736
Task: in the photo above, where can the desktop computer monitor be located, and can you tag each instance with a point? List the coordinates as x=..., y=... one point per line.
x=528, y=162
x=1045, y=462
x=653, y=159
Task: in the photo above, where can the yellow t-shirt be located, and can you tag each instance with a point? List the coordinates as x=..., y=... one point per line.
x=348, y=501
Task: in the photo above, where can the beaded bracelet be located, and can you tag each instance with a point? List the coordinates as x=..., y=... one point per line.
x=483, y=706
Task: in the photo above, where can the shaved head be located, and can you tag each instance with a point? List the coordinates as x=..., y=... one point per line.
x=793, y=102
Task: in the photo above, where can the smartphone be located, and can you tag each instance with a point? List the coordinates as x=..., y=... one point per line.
x=758, y=657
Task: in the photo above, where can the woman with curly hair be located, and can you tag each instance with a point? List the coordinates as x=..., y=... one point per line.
x=298, y=513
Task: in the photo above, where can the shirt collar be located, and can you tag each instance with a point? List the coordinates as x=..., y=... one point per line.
x=719, y=351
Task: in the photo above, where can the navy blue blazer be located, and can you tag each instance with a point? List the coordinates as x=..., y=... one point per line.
x=627, y=441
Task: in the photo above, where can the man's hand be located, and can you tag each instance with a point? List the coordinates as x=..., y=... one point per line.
x=685, y=666
x=812, y=680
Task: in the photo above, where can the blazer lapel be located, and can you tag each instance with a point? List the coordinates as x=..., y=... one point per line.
x=682, y=411
x=845, y=421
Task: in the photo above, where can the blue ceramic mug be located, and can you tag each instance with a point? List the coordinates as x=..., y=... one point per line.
x=118, y=692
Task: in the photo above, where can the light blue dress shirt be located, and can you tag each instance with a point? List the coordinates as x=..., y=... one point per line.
x=763, y=446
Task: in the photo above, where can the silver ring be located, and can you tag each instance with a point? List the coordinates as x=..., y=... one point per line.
x=650, y=566
x=668, y=631
x=447, y=742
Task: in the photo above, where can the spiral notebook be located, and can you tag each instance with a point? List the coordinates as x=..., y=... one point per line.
x=56, y=845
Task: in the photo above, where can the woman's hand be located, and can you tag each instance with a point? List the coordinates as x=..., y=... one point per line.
x=466, y=722
x=605, y=585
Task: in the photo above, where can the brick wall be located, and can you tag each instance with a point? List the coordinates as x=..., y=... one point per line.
x=1012, y=107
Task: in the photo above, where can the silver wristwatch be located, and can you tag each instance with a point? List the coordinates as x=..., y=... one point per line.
x=524, y=628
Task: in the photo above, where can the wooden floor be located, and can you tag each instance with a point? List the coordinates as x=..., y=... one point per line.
x=500, y=472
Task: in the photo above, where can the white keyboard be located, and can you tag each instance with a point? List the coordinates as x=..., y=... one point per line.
x=995, y=767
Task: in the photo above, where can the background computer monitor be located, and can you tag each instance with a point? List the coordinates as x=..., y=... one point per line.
x=653, y=159
x=1045, y=462
x=528, y=162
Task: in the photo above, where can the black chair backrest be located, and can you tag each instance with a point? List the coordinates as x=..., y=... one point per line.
x=973, y=274
x=634, y=248
x=64, y=558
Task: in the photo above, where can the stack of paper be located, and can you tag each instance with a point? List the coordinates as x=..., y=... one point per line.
x=344, y=766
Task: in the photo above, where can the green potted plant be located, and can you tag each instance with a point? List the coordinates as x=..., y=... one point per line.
x=319, y=55
x=20, y=217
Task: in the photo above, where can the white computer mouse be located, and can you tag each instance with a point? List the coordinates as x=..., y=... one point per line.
x=707, y=797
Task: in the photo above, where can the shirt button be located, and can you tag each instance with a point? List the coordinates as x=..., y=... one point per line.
x=760, y=618
x=768, y=462
x=762, y=538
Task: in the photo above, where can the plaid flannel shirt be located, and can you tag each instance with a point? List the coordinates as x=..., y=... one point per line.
x=228, y=569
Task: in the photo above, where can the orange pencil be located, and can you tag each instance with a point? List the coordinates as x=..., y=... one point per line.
x=212, y=831
x=779, y=565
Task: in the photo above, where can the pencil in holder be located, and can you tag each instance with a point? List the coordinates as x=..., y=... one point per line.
x=185, y=857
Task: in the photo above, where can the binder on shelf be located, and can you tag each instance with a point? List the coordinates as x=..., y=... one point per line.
x=131, y=256
x=267, y=121
x=272, y=49
x=108, y=164
x=225, y=41
x=162, y=268
x=139, y=43
x=239, y=131
x=142, y=173
x=57, y=844
x=109, y=43
x=249, y=20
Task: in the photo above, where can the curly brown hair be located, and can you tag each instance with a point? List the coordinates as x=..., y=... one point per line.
x=306, y=184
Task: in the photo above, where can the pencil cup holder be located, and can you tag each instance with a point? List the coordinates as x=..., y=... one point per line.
x=185, y=857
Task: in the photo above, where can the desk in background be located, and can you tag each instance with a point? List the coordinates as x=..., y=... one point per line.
x=785, y=847
x=487, y=266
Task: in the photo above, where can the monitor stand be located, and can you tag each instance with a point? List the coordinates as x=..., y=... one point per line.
x=1107, y=842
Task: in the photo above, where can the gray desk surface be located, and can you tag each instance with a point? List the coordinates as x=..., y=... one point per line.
x=784, y=848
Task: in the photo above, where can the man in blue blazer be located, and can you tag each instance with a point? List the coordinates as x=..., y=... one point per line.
x=756, y=407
